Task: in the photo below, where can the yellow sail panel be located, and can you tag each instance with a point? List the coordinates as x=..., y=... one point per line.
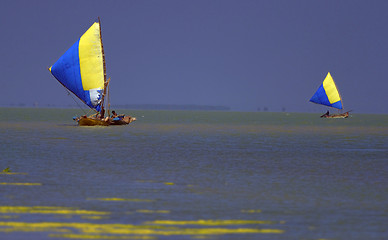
x=331, y=89
x=91, y=59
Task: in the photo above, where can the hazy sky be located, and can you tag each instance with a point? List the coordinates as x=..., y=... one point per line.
x=246, y=54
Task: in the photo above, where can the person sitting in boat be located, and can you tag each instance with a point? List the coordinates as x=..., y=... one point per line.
x=116, y=117
x=326, y=114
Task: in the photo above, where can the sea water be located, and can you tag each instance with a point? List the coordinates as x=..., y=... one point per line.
x=193, y=175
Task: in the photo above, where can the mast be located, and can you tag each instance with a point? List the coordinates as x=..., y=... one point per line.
x=105, y=81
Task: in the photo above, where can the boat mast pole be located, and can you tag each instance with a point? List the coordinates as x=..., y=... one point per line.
x=105, y=81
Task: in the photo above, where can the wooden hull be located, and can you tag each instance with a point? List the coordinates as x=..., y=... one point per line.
x=85, y=121
x=342, y=115
x=88, y=121
x=123, y=121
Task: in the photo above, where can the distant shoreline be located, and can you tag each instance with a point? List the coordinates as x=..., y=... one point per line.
x=191, y=107
x=173, y=107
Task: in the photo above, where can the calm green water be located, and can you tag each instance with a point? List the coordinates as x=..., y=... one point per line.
x=193, y=175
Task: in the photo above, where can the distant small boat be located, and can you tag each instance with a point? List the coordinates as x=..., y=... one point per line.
x=328, y=95
x=82, y=71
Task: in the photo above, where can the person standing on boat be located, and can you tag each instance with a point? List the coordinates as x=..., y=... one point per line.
x=102, y=113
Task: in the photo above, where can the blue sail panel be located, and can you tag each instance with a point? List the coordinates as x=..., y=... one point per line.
x=337, y=105
x=320, y=97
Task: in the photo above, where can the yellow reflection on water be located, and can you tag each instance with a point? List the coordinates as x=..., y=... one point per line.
x=152, y=211
x=88, y=236
x=13, y=173
x=209, y=222
x=49, y=210
x=251, y=211
x=199, y=229
x=20, y=184
x=153, y=181
x=101, y=231
x=94, y=217
x=31, y=227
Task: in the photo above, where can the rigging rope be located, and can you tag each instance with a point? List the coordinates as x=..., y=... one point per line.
x=75, y=100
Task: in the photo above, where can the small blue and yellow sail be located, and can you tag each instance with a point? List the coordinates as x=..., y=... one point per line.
x=81, y=69
x=328, y=94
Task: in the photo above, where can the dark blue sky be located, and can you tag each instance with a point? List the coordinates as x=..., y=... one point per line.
x=243, y=54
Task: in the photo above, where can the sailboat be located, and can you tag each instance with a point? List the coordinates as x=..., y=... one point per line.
x=328, y=95
x=82, y=71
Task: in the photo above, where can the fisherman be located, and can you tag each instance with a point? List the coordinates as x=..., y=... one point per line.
x=326, y=114
x=114, y=114
x=102, y=113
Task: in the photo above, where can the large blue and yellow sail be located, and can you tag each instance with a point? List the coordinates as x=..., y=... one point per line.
x=81, y=69
x=328, y=94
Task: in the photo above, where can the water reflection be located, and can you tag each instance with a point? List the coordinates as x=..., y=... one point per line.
x=146, y=230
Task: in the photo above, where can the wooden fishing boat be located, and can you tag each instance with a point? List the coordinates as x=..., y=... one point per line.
x=328, y=95
x=82, y=71
x=95, y=121
x=339, y=115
